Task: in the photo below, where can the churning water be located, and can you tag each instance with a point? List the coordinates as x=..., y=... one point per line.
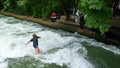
x=59, y=49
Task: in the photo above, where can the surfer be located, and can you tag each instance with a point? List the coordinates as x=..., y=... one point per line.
x=35, y=43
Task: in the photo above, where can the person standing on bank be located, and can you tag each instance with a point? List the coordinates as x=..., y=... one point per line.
x=119, y=8
x=82, y=22
x=35, y=43
x=114, y=7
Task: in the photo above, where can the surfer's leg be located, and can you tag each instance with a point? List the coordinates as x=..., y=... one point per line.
x=37, y=50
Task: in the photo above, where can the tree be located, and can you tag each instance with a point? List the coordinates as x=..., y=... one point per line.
x=98, y=12
x=1, y=5
x=9, y=4
x=66, y=7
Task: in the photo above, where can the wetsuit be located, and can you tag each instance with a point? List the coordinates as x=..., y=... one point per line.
x=35, y=41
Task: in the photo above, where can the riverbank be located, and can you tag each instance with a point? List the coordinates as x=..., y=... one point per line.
x=64, y=26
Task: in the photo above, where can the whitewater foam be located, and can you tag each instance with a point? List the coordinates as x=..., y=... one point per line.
x=69, y=50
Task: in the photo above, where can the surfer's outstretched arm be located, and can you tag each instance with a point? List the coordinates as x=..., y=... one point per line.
x=28, y=42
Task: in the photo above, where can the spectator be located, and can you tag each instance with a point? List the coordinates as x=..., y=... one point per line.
x=58, y=15
x=53, y=17
x=119, y=8
x=74, y=11
x=77, y=17
x=82, y=22
x=113, y=5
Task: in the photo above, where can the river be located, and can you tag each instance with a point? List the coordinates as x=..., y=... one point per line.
x=59, y=49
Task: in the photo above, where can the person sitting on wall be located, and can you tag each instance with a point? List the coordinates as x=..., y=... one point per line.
x=53, y=17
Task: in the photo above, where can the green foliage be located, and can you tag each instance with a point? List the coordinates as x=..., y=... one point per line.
x=38, y=8
x=98, y=12
x=48, y=7
x=9, y=4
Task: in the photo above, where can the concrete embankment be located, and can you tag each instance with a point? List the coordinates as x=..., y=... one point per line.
x=63, y=26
